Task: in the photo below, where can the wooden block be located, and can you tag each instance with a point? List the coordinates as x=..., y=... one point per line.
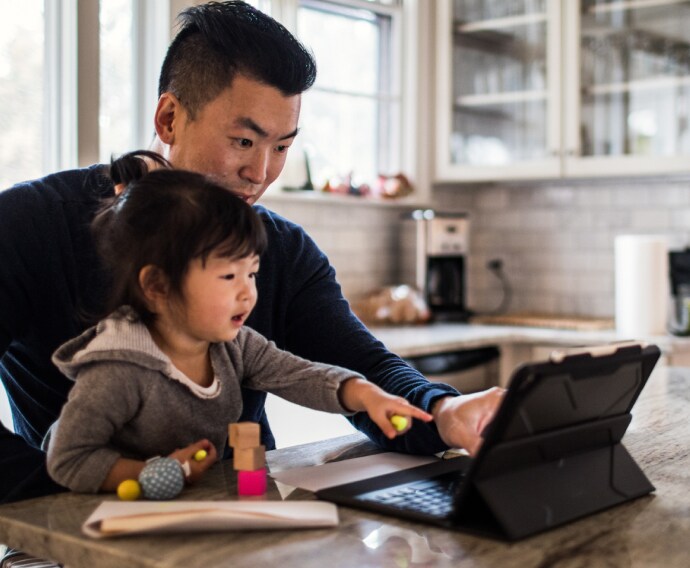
x=244, y=435
x=251, y=482
x=249, y=459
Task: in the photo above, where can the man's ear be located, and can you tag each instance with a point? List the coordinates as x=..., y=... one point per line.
x=168, y=114
x=155, y=286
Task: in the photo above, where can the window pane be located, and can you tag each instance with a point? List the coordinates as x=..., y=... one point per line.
x=263, y=5
x=22, y=39
x=351, y=110
x=354, y=68
x=340, y=136
x=116, y=115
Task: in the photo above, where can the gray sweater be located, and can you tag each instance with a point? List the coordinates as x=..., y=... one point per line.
x=130, y=401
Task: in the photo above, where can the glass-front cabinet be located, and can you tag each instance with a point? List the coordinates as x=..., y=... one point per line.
x=498, y=82
x=551, y=88
x=627, y=87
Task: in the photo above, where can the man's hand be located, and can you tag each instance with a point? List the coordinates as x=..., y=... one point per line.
x=461, y=419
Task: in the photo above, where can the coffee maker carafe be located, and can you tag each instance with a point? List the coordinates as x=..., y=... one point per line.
x=679, y=273
x=442, y=245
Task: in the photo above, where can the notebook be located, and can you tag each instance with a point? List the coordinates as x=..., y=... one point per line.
x=552, y=453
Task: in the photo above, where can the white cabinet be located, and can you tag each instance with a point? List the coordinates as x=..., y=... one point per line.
x=561, y=88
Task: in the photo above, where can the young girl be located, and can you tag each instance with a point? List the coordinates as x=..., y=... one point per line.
x=161, y=375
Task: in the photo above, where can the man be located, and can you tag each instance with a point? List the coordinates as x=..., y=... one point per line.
x=229, y=107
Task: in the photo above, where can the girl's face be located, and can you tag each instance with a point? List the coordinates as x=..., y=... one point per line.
x=218, y=297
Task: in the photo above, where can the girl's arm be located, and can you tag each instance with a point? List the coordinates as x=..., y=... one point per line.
x=124, y=469
x=361, y=395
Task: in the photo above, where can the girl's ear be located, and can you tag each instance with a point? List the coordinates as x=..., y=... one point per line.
x=154, y=284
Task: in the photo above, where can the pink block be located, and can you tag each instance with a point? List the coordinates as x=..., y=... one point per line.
x=251, y=482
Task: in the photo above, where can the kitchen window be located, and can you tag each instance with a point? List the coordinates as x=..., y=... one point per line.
x=116, y=129
x=78, y=81
x=351, y=116
x=22, y=40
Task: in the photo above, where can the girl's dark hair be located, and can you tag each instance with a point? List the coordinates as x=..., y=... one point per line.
x=217, y=40
x=167, y=218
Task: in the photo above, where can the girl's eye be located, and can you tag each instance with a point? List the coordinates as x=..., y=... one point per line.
x=228, y=276
x=254, y=274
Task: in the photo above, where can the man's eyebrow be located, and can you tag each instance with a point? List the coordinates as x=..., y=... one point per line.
x=247, y=122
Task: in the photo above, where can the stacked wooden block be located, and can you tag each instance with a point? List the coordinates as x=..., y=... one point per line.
x=249, y=457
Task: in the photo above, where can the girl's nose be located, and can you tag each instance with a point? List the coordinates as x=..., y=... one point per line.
x=248, y=290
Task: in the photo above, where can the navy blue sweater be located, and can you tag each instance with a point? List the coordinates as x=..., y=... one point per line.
x=52, y=283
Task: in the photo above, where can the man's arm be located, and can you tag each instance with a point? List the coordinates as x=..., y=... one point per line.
x=23, y=473
x=320, y=326
x=23, y=468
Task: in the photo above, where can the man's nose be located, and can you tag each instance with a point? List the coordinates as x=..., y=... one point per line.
x=255, y=168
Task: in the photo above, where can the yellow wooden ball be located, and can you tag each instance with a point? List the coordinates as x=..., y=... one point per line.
x=399, y=422
x=129, y=490
x=200, y=455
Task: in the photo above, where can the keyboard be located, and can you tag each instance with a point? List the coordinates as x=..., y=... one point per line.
x=430, y=496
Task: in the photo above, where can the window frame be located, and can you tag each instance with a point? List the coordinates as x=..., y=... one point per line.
x=389, y=95
x=71, y=126
x=72, y=83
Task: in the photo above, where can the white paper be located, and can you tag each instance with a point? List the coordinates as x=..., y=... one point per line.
x=196, y=516
x=642, y=285
x=318, y=477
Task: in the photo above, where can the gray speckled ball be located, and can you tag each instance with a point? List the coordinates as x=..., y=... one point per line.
x=162, y=479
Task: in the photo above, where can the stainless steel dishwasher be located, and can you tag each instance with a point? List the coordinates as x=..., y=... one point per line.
x=468, y=370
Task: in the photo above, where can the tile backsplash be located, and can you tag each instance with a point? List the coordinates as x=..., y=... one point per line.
x=555, y=239
x=363, y=242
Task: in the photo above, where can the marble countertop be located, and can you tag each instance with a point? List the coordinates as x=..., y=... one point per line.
x=650, y=531
x=414, y=340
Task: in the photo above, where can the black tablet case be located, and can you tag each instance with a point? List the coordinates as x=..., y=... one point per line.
x=553, y=453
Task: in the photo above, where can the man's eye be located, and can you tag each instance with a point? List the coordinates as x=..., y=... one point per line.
x=282, y=149
x=244, y=142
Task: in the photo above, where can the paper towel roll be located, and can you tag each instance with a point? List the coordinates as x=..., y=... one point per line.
x=642, y=286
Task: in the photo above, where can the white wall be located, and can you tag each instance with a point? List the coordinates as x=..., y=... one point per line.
x=363, y=243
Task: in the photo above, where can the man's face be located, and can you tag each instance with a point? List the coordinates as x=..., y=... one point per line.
x=239, y=139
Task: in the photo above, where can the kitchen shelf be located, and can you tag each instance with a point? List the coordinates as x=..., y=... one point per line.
x=320, y=197
x=493, y=99
x=631, y=5
x=500, y=23
x=652, y=84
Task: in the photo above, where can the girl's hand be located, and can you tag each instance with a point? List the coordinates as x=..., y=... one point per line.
x=358, y=394
x=197, y=467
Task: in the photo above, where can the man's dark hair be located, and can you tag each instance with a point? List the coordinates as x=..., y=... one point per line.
x=218, y=40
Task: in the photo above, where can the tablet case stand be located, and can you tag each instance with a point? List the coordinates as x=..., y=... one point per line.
x=552, y=453
x=562, y=476
x=537, y=477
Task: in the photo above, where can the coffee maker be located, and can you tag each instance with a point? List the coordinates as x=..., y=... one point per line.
x=442, y=241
